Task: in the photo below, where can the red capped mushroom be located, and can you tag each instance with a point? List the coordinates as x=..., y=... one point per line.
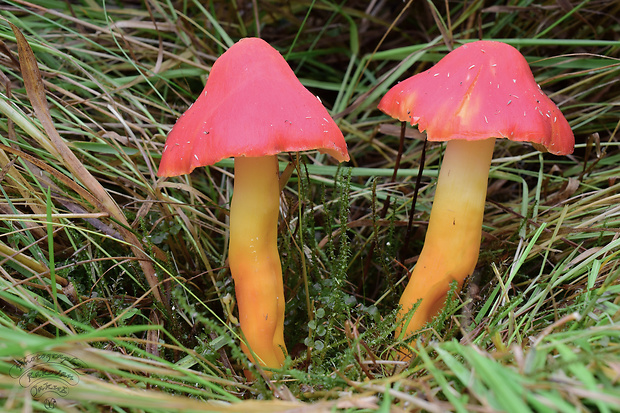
x=252, y=108
x=476, y=93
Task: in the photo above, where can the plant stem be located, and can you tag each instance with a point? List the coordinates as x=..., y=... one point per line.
x=452, y=241
x=254, y=259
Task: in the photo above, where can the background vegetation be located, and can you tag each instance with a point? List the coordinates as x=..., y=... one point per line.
x=126, y=272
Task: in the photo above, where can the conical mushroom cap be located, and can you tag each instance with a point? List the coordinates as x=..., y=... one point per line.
x=252, y=105
x=480, y=90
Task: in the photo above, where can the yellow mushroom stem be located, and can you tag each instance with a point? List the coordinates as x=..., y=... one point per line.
x=454, y=231
x=254, y=260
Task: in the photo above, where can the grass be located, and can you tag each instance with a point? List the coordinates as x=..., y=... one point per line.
x=119, y=278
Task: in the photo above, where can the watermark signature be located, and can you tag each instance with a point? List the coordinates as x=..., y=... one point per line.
x=48, y=375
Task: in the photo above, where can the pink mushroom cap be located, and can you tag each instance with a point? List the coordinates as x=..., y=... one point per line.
x=480, y=90
x=252, y=105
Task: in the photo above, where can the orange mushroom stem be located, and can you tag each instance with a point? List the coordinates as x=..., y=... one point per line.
x=254, y=260
x=454, y=231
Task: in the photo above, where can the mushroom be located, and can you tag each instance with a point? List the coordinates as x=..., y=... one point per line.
x=476, y=93
x=252, y=108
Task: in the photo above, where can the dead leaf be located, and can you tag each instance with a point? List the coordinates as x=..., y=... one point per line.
x=571, y=187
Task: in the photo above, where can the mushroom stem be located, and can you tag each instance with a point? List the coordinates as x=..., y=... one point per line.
x=254, y=260
x=454, y=231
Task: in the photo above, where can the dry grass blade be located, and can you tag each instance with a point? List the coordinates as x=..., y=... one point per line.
x=36, y=94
